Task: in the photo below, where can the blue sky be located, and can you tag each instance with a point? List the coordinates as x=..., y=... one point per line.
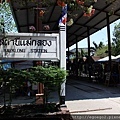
x=100, y=36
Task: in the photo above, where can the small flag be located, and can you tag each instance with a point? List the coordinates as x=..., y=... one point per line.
x=63, y=18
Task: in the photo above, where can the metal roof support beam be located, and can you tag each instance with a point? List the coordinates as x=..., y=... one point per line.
x=90, y=19
x=76, y=62
x=89, y=64
x=109, y=40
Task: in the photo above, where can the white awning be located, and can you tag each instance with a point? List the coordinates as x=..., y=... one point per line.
x=107, y=58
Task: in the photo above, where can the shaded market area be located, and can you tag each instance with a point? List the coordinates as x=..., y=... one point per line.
x=96, y=70
x=92, y=85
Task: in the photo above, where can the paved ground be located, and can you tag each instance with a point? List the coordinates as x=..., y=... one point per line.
x=93, y=98
x=83, y=97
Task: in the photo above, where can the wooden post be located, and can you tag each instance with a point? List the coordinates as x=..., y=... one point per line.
x=38, y=27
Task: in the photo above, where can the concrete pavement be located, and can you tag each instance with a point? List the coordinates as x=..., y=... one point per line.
x=83, y=97
x=92, y=98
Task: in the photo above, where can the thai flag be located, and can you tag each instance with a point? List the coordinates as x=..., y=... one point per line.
x=63, y=18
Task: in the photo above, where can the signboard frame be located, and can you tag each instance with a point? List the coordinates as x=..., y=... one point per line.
x=54, y=46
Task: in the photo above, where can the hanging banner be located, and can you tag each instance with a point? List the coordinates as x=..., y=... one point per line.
x=29, y=46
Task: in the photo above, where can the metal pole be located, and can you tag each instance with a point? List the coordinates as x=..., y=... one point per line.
x=109, y=41
x=76, y=58
x=89, y=64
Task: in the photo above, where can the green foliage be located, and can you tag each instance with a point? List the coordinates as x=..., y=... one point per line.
x=101, y=45
x=51, y=74
x=101, y=51
x=115, y=46
x=116, y=40
x=7, y=23
x=12, y=79
x=82, y=53
x=52, y=77
x=96, y=46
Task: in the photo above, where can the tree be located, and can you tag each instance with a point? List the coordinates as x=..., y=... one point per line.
x=101, y=44
x=101, y=52
x=116, y=40
x=95, y=45
x=7, y=23
x=83, y=53
x=99, y=49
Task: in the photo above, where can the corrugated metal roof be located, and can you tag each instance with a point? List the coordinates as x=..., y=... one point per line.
x=25, y=17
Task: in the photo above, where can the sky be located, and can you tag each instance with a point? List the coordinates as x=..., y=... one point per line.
x=100, y=36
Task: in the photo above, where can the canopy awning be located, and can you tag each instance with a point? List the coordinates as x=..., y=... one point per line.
x=106, y=59
x=25, y=16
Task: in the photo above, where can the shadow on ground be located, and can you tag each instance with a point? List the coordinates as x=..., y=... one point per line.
x=76, y=89
x=82, y=89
